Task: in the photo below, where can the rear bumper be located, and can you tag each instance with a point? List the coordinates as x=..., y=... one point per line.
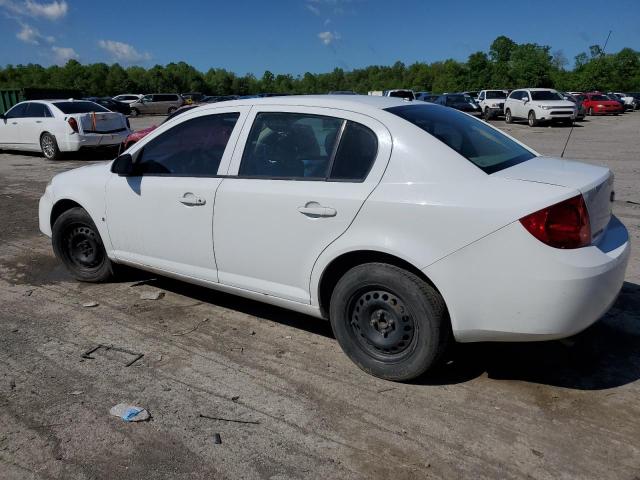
x=509, y=286
x=75, y=142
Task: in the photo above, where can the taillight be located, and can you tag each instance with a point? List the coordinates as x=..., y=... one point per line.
x=73, y=124
x=563, y=225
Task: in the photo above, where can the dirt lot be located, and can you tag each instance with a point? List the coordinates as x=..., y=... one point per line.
x=548, y=410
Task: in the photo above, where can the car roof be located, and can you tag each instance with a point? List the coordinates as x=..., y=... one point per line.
x=343, y=102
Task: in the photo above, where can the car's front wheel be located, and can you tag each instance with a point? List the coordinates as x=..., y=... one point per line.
x=135, y=112
x=532, y=120
x=507, y=116
x=389, y=322
x=49, y=146
x=77, y=243
x=487, y=114
x=171, y=110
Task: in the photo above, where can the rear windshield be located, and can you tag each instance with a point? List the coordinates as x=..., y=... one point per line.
x=485, y=147
x=491, y=94
x=79, y=107
x=457, y=98
x=402, y=94
x=545, y=95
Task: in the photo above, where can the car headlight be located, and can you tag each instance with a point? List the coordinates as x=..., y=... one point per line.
x=600, y=106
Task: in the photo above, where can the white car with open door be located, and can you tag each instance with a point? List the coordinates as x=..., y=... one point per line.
x=406, y=224
x=56, y=126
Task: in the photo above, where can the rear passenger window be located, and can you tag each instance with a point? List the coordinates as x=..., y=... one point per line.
x=37, y=110
x=290, y=145
x=356, y=153
x=193, y=148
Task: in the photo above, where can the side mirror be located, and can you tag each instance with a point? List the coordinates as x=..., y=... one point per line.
x=525, y=99
x=123, y=165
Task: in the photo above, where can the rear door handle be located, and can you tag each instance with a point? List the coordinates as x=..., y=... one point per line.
x=38, y=121
x=192, y=200
x=315, y=210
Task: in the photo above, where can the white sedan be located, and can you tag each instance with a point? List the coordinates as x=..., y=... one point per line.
x=56, y=126
x=406, y=224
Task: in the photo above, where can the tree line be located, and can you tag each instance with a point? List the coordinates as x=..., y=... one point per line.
x=506, y=64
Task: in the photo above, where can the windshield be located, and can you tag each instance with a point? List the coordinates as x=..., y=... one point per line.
x=485, y=147
x=493, y=94
x=545, y=95
x=599, y=97
x=458, y=99
x=402, y=94
x=79, y=107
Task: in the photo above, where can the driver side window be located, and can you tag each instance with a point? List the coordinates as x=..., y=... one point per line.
x=192, y=148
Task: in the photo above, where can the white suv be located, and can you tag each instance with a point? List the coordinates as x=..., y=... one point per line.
x=491, y=103
x=406, y=224
x=537, y=105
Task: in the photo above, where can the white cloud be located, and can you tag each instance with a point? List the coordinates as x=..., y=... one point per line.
x=313, y=9
x=30, y=8
x=123, y=52
x=328, y=38
x=62, y=55
x=50, y=11
x=29, y=34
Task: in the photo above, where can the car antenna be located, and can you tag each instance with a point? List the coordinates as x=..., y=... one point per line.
x=573, y=123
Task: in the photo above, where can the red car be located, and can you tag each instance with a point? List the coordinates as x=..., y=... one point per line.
x=596, y=103
x=140, y=134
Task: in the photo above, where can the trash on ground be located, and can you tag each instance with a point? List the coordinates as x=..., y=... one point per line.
x=151, y=295
x=233, y=420
x=76, y=392
x=142, y=282
x=179, y=334
x=235, y=398
x=129, y=413
x=137, y=355
x=90, y=304
x=216, y=439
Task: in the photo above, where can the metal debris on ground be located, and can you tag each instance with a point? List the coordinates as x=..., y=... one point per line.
x=90, y=304
x=233, y=420
x=137, y=355
x=216, y=439
x=130, y=413
x=179, y=334
x=151, y=295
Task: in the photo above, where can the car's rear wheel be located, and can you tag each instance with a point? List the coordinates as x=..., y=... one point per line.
x=135, y=112
x=532, y=120
x=49, y=146
x=507, y=116
x=171, y=110
x=389, y=322
x=77, y=243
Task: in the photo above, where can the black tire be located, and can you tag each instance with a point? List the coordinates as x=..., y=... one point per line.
x=77, y=244
x=507, y=116
x=487, y=114
x=389, y=322
x=531, y=119
x=171, y=110
x=135, y=112
x=49, y=146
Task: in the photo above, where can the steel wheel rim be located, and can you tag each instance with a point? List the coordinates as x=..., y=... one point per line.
x=382, y=324
x=82, y=246
x=47, y=146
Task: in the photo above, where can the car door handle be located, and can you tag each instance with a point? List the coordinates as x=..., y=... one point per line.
x=38, y=121
x=192, y=200
x=315, y=210
x=14, y=123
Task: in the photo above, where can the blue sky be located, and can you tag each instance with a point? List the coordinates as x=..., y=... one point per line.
x=294, y=36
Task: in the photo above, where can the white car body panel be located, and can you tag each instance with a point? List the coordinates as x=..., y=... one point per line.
x=422, y=203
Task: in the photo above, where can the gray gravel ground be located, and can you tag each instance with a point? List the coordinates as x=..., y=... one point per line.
x=553, y=410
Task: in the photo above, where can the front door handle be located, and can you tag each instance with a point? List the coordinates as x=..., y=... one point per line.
x=192, y=200
x=38, y=121
x=315, y=210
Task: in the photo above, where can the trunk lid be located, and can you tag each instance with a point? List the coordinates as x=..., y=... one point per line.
x=101, y=122
x=595, y=183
